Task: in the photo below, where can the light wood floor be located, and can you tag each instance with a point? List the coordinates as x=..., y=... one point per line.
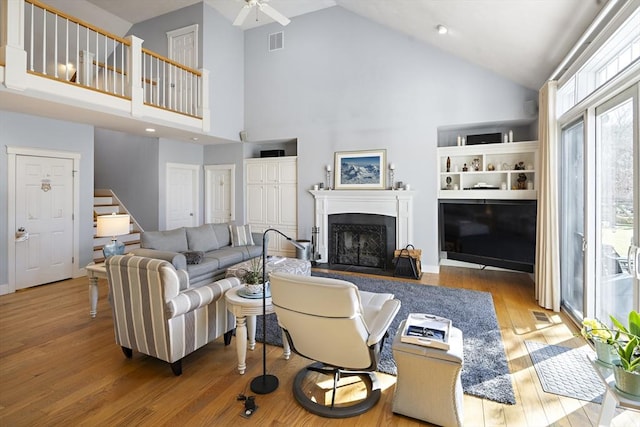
x=58, y=366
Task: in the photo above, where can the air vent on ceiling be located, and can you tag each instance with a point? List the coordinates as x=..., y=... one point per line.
x=276, y=41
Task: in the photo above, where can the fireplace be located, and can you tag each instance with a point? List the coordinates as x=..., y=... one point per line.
x=364, y=240
x=395, y=206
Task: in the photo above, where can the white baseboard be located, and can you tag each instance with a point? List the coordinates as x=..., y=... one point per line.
x=5, y=289
x=431, y=269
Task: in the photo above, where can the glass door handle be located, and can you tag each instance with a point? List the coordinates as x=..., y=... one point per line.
x=633, y=257
x=636, y=262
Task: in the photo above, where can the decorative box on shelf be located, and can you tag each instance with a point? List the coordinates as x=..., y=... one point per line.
x=488, y=171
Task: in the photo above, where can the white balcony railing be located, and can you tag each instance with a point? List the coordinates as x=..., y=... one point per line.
x=39, y=40
x=64, y=48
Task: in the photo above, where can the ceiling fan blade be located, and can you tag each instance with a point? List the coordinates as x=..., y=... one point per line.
x=242, y=15
x=274, y=14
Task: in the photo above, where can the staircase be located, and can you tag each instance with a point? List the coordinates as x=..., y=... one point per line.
x=105, y=202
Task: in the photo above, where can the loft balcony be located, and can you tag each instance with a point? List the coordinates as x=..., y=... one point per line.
x=52, y=61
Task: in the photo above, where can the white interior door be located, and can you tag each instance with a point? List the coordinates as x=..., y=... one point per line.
x=219, y=193
x=183, y=48
x=183, y=187
x=44, y=208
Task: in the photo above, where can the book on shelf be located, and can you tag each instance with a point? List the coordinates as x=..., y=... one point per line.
x=426, y=330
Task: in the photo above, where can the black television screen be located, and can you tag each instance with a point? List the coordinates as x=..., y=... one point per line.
x=499, y=233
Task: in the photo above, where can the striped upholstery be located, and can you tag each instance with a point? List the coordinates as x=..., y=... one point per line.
x=156, y=313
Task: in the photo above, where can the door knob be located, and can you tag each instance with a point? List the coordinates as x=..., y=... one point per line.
x=21, y=235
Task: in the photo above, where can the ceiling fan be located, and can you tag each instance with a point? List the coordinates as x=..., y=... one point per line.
x=262, y=6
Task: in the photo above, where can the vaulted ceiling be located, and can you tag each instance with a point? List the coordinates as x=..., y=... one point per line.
x=523, y=40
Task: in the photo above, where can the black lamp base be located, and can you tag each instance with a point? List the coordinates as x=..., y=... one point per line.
x=264, y=384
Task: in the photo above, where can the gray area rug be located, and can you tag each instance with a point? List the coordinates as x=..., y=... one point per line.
x=485, y=372
x=566, y=371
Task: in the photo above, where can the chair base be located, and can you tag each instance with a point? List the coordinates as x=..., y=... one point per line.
x=369, y=378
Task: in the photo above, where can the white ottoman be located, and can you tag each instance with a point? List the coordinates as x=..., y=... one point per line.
x=428, y=386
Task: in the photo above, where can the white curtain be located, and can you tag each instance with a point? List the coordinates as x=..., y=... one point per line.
x=547, y=271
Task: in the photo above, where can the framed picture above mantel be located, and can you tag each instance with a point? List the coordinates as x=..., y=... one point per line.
x=360, y=170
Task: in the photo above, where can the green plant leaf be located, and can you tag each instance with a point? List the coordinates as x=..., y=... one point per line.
x=618, y=325
x=634, y=323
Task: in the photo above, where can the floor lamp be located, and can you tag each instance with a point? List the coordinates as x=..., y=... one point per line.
x=264, y=383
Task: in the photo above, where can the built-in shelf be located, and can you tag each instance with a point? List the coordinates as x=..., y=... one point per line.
x=488, y=171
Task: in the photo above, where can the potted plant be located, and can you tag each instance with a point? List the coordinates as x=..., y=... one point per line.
x=598, y=333
x=626, y=341
x=252, y=277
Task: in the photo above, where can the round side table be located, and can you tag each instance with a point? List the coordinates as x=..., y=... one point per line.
x=246, y=310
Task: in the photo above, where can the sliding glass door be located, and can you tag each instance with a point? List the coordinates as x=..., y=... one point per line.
x=572, y=242
x=616, y=206
x=600, y=205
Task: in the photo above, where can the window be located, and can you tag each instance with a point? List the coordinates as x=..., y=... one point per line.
x=617, y=53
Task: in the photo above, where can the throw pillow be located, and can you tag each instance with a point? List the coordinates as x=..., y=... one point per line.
x=241, y=235
x=194, y=257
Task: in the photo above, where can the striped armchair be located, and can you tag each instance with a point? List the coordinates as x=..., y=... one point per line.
x=156, y=312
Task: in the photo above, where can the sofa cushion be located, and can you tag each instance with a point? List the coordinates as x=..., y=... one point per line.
x=241, y=235
x=222, y=233
x=202, y=238
x=168, y=240
x=227, y=256
x=206, y=267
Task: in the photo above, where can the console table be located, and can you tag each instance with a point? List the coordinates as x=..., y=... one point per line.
x=612, y=396
x=95, y=272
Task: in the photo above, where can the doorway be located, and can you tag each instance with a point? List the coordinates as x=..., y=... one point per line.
x=219, y=193
x=43, y=200
x=183, y=49
x=183, y=201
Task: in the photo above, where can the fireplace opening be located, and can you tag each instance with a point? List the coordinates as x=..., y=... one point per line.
x=363, y=240
x=357, y=244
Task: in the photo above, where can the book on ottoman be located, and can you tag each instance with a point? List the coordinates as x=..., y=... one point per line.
x=426, y=330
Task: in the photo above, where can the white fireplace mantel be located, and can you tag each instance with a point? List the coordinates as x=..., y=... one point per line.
x=394, y=203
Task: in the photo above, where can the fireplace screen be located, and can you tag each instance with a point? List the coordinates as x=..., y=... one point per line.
x=358, y=244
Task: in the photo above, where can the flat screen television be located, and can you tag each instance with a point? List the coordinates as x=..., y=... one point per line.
x=498, y=233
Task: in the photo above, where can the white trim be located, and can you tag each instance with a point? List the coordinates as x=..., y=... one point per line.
x=195, y=190
x=207, y=198
x=397, y=204
x=12, y=152
x=181, y=32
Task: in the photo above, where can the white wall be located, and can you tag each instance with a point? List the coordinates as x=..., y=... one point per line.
x=223, y=56
x=345, y=83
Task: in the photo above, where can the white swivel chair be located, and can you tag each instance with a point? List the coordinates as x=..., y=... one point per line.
x=343, y=329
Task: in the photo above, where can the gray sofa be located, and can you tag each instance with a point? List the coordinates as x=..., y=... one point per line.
x=208, y=245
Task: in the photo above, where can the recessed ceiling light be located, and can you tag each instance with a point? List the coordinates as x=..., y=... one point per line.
x=150, y=130
x=195, y=138
x=442, y=29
